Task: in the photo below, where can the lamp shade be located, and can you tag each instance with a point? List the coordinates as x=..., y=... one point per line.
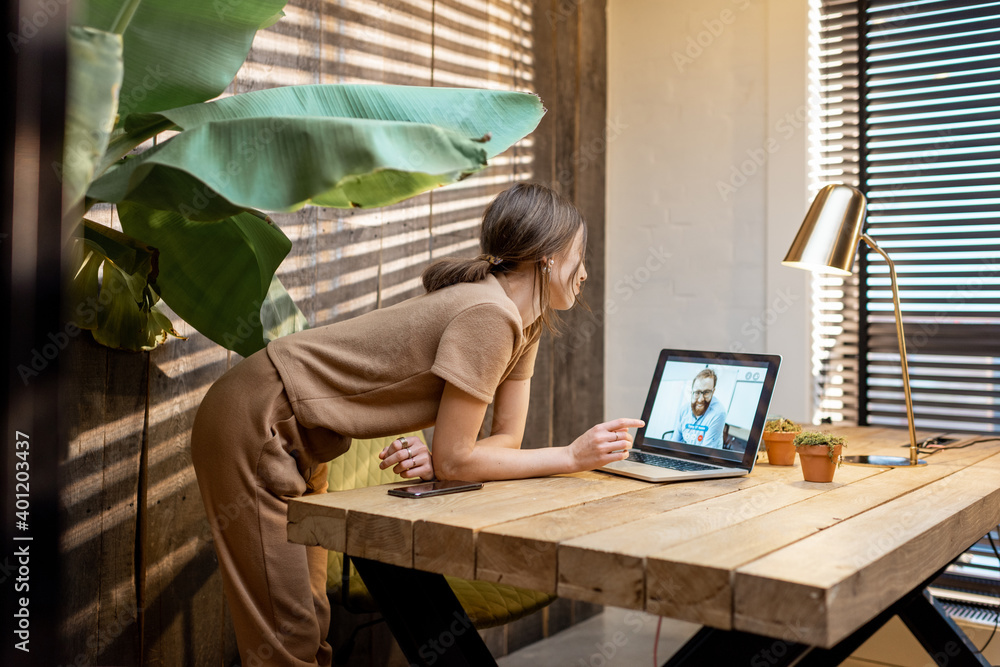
x=828, y=238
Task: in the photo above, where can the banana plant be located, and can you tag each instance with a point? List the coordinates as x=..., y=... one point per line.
x=193, y=207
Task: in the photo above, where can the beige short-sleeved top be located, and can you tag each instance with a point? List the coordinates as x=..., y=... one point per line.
x=383, y=372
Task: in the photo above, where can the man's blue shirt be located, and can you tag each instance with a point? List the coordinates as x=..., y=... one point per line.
x=705, y=431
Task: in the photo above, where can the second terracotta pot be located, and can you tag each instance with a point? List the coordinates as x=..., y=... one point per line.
x=780, y=450
x=816, y=463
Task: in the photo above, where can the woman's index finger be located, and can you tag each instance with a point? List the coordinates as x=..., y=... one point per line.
x=624, y=422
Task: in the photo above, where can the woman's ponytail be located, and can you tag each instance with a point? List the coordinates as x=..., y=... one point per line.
x=452, y=270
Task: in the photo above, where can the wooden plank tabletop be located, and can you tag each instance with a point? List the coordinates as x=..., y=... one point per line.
x=768, y=553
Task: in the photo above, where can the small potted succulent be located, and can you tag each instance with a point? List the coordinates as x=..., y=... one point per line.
x=819, y=454
x=778, y=436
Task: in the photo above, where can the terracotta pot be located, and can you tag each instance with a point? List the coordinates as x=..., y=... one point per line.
x=816, y=463
x=780, y=450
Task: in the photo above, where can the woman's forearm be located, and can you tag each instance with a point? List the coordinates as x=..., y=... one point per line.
x=493, y=461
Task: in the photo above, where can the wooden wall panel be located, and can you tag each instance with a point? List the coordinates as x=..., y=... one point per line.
x=579, y=386
x=100, y=481
x=538, y=431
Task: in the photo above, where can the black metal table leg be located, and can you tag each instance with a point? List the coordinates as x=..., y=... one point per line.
x=939, y=634
x=424, y=616
x=822, y=657
x=943, y=640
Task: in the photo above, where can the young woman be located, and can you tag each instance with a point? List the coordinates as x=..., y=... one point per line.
x=266, y=428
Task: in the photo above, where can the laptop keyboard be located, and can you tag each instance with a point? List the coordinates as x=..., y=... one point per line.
x=666, y=462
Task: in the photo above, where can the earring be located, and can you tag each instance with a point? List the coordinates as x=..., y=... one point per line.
x=546, y=267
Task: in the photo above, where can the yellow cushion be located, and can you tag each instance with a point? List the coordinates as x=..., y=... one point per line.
x=487, y=604
x=358, y=466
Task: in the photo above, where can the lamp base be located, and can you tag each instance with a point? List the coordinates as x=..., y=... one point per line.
x=881, y=461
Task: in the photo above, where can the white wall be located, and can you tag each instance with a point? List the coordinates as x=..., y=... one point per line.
x=707, y=184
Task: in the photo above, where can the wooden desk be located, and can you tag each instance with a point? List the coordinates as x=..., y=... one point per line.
x=764, y=556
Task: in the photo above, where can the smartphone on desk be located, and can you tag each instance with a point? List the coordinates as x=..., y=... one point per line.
x=439, y=488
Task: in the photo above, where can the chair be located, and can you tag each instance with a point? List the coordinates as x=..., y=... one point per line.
x=487, y=604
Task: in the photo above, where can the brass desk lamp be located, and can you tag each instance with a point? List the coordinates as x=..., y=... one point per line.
x=826, y=243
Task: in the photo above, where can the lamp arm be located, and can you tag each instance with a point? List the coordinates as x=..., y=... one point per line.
x=902, y=346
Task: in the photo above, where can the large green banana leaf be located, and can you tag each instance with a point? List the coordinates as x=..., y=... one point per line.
x=179, y=51
x=121, y=324
x=95, y=76
x=218, y=276
x=218, y=169
x=503, y=115
x=122, y=310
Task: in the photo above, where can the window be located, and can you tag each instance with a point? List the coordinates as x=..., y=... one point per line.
x=908, y=110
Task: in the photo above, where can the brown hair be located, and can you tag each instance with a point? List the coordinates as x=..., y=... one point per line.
x=522, y=224
x=706, y=373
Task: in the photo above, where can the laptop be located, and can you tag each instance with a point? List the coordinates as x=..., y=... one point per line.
x=704, y=417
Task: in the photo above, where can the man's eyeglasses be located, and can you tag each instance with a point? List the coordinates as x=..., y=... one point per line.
x=705, y=393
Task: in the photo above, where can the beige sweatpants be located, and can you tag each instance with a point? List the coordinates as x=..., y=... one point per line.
x=251, y=456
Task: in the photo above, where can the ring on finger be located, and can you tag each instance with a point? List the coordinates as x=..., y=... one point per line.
x=617, y=436
x=409, y=454
x=402, y=441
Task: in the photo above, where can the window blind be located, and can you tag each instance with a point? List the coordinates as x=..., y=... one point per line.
x=926, y=152
x=933, y=184
x=907, y=109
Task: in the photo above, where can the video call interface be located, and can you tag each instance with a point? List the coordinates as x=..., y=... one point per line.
x=706, y=408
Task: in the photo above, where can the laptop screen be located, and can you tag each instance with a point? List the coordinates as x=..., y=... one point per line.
x=710, y=405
